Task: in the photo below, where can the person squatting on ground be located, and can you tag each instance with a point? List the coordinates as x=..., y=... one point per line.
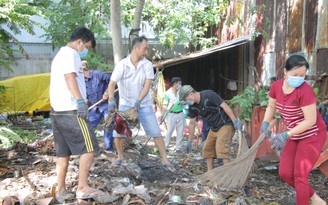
x=172, y=110
x=134, y=75
x=96, y=82
x=72, y=132
x=302, y=142
x=220, y=118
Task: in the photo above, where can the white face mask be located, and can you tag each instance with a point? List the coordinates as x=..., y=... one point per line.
x=191, y=102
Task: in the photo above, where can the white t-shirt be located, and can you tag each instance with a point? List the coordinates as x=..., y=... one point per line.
x=66, y=61
x=130, y=81
x=170, y=97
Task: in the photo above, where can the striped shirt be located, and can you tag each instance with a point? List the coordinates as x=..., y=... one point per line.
x=131, y=80
x=290, y=107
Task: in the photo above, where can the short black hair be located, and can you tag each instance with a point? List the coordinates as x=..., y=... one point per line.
x=138, y=40
x=175, y=80
x=85, y=34
x=273, y=78
x=296, y=61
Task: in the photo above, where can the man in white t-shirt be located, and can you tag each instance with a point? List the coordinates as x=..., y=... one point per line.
x=134, y=75
x=72, y=132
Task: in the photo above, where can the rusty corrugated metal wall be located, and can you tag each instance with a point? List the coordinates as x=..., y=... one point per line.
x=292, y=26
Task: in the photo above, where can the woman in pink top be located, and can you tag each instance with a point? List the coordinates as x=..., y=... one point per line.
x=302, y=142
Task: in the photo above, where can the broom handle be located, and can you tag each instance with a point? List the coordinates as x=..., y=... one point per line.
x=262, y=136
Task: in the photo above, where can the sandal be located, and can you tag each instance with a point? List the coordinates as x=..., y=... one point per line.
x=90, y=194
x=62, y=197
x=168, y=167
x=118, y=162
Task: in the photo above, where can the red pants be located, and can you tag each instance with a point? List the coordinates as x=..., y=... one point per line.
x=296, y=162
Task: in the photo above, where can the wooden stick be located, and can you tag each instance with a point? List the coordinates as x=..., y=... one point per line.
x=94, y=105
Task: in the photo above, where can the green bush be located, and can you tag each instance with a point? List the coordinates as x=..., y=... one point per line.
x=247, y=99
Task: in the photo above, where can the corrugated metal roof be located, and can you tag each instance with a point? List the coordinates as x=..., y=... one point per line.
x=208, y=51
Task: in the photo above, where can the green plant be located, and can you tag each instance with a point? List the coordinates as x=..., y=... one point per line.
x=247, y=99
x=8, y=137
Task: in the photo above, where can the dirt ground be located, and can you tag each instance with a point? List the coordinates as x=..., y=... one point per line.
x=27, y=173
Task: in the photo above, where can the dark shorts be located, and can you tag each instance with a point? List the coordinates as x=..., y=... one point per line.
x=73, y=135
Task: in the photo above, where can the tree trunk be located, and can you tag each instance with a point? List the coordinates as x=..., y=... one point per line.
x=137, y=20
x=137, y=14
x=116, y=30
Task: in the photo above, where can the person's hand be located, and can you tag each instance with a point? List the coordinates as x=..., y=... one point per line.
x=82, y=109
x=238, y=125
x=188, y=146
x=112, y=105
x=182, y=103
x=263, y=129
x=162, y=119
x=137, y=105
x=279, y=141
x=105, y=96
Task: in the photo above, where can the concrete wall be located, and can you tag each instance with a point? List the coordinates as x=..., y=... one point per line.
x=40, y=55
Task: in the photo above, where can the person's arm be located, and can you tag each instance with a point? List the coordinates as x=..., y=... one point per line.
x=165, y=104
x=111, y=89
x=270, y=110
x=70, y=79
x=310, y=118
x=192, y=124
x=228, y=111
x=145, y=89
x=105, y=77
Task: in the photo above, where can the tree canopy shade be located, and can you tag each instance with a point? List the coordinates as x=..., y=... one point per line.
x=175, y=22
x=185, y=22
x=15, y=16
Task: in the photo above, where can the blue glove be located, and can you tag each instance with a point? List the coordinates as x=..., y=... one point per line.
x=188, y=146
x=82, y=109
x=112, y=105
x=137, y=105
x=238, y=125
x=264, y=127
x=321, y=106
x=279, y=141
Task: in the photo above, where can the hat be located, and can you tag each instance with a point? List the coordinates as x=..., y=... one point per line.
x=175, y=80
x=185, y=91
x=85, y=65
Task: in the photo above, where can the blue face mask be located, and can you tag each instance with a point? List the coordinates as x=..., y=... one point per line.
x=179, y=87
x=83, y=53
x=295, y=81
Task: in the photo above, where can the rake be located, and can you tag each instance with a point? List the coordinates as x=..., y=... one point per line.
x=233, y=175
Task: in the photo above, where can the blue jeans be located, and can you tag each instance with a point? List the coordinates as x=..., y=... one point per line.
x=94, y=118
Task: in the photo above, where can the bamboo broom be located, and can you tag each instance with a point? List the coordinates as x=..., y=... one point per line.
x=243, y=146
x=233, y=175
